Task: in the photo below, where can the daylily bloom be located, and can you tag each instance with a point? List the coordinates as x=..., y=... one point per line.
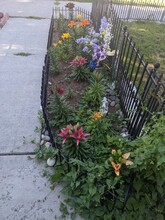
x=116, y=167
x=97, y=115
x=64, y=134
x=79, y=135
x=55, y=44
x=65, y=36
x=60, y=42
x=72, y=24
x=79, y=16
x=84, y=23
x=125, y=157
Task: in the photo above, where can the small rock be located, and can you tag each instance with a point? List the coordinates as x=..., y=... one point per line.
x=46, y=133
x=49, y=83
x=45, y=137
x=42, y=142
x=47, y=144
x=124, y=134
x=104, y=106
x=112, y=97
x=111, y=86
x=112, y=104
x=51, y=162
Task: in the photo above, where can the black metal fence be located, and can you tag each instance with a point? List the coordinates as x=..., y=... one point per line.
x=44, y=85
x=132, y=9
x=141, y=90
x=68, y=13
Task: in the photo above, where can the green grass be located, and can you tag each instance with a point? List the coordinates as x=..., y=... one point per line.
x=23, y=54
x=150, y=39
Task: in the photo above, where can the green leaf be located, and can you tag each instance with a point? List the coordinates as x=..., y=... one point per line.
x=92, y=190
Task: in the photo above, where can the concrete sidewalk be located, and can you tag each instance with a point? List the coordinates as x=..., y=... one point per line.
x=24, y=193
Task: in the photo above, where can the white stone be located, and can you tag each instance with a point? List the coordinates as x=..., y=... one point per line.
x=124, y=134
x=104, y=107
x=42, y=142
x=47, y=144
x=51, y=162
x=45, y=137
x=112, y=104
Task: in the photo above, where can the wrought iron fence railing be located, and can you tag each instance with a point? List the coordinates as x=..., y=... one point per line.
x=140, y=89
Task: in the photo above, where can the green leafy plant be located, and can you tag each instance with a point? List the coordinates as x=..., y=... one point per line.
x=54, y=60
x=80, y=71
x=94, y=94
x=59, y=109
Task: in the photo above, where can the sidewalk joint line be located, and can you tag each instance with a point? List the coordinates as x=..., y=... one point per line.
x=17, y=153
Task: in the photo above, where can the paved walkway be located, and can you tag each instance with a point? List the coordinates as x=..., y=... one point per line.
x=24, y=193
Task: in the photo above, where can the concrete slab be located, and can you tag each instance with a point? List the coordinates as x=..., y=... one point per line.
x=25, y=194
x=20, y=82
x=38, y=8
x=24, y=35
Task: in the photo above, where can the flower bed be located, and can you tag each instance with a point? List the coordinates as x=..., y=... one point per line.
x=105, y=175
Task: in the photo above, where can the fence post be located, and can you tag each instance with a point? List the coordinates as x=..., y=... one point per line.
x=129, y=10
x=163, y=15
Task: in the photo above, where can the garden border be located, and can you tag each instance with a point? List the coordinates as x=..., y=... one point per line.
x=124, y=43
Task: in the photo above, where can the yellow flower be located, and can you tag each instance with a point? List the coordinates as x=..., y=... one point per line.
x=97, y=115
x=55, y=45
x=79, y=16
x=60, y=42
x=65, y=36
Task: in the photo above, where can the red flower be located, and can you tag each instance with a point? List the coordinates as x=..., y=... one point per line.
x=60, y=90
x=79, y=135
x=78, y=61
x=64, y=134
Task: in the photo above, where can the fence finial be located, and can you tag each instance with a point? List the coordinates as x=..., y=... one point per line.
x=125, y=28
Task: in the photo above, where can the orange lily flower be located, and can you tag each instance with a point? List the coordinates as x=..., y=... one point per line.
x=116, y=167
x=84, y=23
x=125, y=157
x=72, y=24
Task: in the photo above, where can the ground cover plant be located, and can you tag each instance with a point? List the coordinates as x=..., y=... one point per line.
x=105, y=175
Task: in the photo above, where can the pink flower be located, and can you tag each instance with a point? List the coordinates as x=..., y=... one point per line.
x=64, y=134
x=78, y=61
x=79, y=135
x=60, y=90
